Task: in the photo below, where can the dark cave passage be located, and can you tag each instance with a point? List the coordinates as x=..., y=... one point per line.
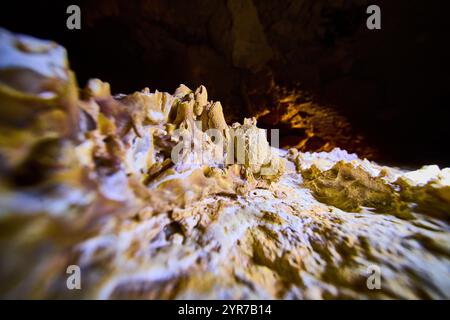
x=390, y=84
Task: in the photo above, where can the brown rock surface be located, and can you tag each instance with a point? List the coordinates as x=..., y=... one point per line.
x=114, y=194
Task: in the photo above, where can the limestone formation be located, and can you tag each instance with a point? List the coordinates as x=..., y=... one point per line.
x=138, y=192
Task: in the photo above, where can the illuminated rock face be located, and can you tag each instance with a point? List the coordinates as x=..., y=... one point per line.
x=146, y=193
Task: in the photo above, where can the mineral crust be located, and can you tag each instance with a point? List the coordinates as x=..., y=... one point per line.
x=154, y=196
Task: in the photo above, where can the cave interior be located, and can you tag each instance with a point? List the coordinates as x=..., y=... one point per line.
x=309, y=68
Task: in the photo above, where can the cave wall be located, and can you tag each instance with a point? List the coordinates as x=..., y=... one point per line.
x=386, y=88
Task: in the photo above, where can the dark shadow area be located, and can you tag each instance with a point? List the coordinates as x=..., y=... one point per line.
x=391, y=84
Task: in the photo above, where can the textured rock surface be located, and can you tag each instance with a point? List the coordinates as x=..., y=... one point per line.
x=90, y=179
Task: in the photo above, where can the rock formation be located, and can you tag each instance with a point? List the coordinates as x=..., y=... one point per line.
x=154, y=195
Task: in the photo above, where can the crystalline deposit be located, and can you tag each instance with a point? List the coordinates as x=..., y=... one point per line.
x=153, y=195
